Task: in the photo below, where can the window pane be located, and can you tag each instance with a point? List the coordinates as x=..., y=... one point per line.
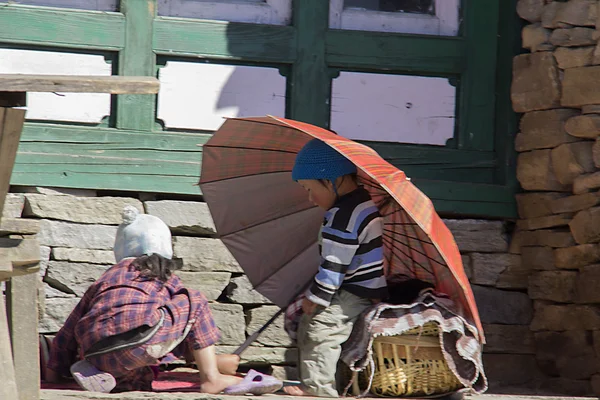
x=393, y=108
x=424, y=17
x=198, y=96
x=99, y=5
x=77, y=107
x=407, y=6
x=271, y=12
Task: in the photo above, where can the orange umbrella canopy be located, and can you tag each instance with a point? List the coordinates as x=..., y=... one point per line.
x=266, y=221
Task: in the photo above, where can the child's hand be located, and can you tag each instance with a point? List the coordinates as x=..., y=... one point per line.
x=308, y=306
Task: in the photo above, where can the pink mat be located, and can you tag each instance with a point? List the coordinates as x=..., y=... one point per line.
x=166, y=382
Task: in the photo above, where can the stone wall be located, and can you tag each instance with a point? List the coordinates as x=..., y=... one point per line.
x=77, y=230
x=557, y=88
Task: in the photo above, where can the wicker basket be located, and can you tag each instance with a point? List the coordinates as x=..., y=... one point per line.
x=411, y=364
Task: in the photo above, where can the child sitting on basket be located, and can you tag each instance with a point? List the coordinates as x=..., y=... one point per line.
x=351, y=274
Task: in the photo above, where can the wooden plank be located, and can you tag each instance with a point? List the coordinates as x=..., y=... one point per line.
x=137, y=58
x=477, y=91
x=63, y=28
x=19, y=226
x=13, y=99
x=310, y=83
x=22, y=309
x=21, y=252
x=112, y=138
x=112, y=181
x=11, y=123
x=8, y=388
x=224, y=40
x=469, y=199
x=437, y=162
x=78, y=83
x=75, y=164
x=6, y=268
x=395, y=52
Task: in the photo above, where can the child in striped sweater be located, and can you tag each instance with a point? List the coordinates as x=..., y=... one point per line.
x=351, y=274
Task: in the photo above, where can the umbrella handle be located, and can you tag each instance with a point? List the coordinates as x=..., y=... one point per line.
x=256, y=334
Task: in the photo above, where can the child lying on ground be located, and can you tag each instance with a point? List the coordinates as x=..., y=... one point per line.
x=136, y=315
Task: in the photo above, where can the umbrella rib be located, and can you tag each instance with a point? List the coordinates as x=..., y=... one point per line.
x=220, y=146
x=243, y=176
x=267, y=221
x=417, y=251
x=391, y=244
x=406, y=236
x=409, y=257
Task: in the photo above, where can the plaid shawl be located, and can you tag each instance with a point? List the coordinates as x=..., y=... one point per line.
x=458, y=339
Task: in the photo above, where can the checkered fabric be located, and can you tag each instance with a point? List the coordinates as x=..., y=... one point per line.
x=121, y=300
x=417, y=242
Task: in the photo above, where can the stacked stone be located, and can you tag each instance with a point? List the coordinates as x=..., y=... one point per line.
x=499, y=282
x=557, y=87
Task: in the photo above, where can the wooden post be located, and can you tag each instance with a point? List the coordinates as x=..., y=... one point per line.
x=22, y=310
x=11, y=124
x=8, y=386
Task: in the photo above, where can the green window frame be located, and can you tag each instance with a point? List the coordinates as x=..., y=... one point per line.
x=472, y=175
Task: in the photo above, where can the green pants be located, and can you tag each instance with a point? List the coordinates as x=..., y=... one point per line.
x=320, y=339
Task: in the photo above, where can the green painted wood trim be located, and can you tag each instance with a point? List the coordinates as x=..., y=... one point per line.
x=437, y=162
x=393, y=52
x=137, y=59
x=130, y=140
x=309, y=85
x=57, y=27
x=224, y=40
x=477, y=85
x=169, y=162
x=469, y=199
x=108, y=158
x=509, y=45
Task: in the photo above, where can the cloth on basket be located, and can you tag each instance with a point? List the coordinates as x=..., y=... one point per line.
x=458, y=339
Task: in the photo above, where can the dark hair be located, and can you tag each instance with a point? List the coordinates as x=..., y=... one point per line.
x=155, y=266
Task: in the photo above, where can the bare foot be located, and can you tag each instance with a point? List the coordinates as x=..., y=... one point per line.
x=218, y=383
x=295, y=391
x=228, y=363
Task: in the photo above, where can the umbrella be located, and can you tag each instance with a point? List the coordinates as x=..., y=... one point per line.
x=270, y=227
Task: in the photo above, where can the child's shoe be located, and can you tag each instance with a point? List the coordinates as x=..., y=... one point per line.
x=91, y=378
x=255, y=383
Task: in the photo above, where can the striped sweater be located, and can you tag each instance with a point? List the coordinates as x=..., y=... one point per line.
x=351, y=251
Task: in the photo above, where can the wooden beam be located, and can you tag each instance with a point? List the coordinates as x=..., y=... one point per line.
x=19, y=226
x=20, y=252
x=8, y=386
x=395, y=52
x=137, y=59
x=224, y=40
x=11, y=124
x=22, y=310
x=63, y=28
x=13, y=99
x=79, y=84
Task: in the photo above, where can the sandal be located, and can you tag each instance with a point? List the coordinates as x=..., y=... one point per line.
x=91, y=378
x=255, y=383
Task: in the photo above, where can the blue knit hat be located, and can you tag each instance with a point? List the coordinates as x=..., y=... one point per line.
x=317, y=160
